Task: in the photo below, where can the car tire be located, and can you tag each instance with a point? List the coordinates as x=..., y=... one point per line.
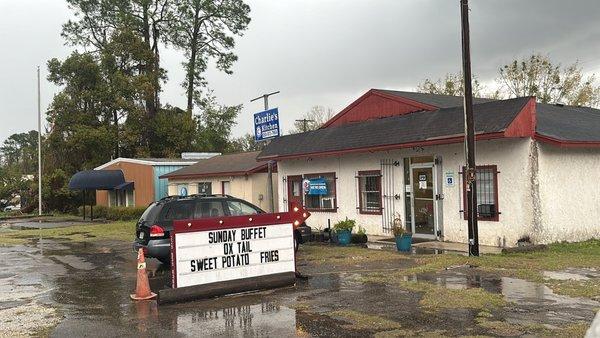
x=296, y=243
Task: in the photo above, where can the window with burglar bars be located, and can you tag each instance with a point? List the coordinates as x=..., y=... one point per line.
x=369, y=192
x=487, y=193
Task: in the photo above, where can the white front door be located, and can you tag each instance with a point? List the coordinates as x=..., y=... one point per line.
x=423, y=180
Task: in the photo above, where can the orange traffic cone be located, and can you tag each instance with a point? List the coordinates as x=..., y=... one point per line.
x=142, y=288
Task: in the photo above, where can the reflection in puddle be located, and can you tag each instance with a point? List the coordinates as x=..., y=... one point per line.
x=265, y=319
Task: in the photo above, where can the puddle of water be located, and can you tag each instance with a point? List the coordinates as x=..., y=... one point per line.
x=573, y=274
x=264, y=319
x=538, y=300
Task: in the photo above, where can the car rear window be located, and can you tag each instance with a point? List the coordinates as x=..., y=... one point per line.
x=179, y=210
x=206, y=209
x=151, y=213
x=239, y=208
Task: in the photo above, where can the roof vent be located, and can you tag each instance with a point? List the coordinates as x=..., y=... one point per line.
x=559, y=104
x=198, y=156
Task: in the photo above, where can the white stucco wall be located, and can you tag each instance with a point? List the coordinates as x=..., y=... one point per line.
x=515, y=201
x=252, y=188
x=569, y=194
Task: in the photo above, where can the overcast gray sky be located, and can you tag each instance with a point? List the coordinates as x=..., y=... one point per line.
x=320, y=52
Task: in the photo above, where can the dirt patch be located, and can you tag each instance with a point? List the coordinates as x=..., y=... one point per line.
x=362, y=321
x=31, y=319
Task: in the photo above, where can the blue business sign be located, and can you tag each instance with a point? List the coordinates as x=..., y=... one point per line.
x=317, y=186
x=266, y=124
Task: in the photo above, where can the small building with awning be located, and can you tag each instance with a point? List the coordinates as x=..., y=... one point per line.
x=141, y=185
x=394, y=157
x=239, y=175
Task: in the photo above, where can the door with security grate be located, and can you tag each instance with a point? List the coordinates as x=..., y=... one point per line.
x=388, y=194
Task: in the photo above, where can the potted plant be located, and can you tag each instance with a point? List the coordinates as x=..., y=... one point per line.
x=343, y=230
x=403, y=237
x=360, y=237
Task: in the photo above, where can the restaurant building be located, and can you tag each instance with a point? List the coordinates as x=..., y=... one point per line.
x=393, y=155
x=239, y=175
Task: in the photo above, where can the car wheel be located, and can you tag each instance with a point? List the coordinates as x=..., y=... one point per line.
x=296, y=243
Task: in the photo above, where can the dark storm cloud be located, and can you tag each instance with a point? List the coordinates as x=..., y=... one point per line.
x=330, y=52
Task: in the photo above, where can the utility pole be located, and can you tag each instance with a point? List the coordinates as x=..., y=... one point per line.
x=39, y=106
x=270, y=197
x=470, y=175
x=305, y=124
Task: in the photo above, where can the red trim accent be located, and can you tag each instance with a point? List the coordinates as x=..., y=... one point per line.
x=229, y=222
x=447, y=140
x=567, y=144
x=524, y=123
x=496, y=217
x=376, y=92
x=290, y=190
x=173, y=261
x=223, y=186
x=217, y=174
x=376, y=173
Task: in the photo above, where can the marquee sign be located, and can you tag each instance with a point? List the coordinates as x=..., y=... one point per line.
x=219, y=255
x=233, y=254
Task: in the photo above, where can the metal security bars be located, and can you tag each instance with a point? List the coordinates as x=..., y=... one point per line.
x=487, y=193
x=388, y=194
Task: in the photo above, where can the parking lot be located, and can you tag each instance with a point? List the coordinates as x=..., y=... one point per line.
x=76, y=281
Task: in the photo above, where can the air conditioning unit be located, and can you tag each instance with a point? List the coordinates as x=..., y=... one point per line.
x=327, y=203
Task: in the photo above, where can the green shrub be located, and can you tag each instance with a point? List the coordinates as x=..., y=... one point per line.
x=113, y=213
x=124, y=213
x=347, y=224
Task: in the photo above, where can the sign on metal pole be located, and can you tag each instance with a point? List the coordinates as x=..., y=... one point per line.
x=266, y=124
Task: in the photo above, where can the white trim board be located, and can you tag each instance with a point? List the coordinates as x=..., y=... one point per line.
x=145, y=162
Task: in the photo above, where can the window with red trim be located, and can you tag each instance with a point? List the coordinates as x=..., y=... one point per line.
x=369, y=192
x=487, y=193
x=322, y=202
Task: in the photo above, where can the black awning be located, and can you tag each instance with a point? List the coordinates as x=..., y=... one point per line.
x=125, y=186
x=97, y=180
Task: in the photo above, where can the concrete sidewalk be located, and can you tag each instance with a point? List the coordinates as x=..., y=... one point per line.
x=385, y=242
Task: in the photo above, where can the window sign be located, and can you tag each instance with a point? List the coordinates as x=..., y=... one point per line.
x=306, y=186
x=205, y=188
x=266, y=124
x=318, y=186
x=319, y=192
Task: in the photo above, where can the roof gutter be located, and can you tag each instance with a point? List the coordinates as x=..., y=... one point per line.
x=215, y=174
x=566, y=144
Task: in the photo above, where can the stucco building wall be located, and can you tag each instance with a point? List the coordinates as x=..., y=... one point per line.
x=252, y=188
x=515, y=200
x=568, y=193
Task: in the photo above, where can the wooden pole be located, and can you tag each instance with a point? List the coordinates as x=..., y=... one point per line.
x=470, y=175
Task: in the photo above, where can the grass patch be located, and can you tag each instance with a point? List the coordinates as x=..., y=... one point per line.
x=363, y=321
x=331, y=254
x=123, y=230
x=438, y=297
x=585, y=288
x=501, y=328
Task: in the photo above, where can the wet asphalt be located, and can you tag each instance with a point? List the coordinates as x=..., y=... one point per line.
x=89, y=285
